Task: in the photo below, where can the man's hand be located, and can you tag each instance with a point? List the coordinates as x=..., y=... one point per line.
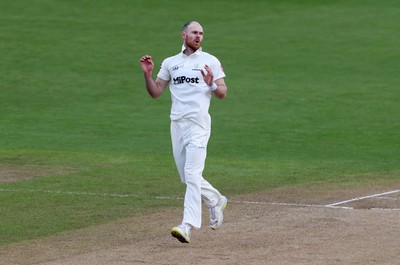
x=208, y=77
x=147, y=65
x=154, y=87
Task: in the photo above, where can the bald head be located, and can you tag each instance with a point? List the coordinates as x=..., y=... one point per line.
x=190, y=23
x=192, y=35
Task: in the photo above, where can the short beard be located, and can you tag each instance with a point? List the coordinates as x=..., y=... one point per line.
x=194, y=48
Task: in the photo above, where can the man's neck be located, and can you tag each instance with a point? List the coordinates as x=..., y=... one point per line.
x=189, y=51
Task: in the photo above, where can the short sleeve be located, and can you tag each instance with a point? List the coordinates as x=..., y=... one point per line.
x=164, y=73
x=217, y=69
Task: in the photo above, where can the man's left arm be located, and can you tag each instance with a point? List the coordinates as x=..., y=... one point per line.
x=220, y=91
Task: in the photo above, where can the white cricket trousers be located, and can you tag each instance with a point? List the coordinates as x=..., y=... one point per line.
x=189, y=145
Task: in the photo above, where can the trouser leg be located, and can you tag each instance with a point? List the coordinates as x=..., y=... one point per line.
x=209, y=194
x=189, y=143
x=195, y=157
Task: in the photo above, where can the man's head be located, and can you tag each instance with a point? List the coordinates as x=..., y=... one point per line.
x=192, y=35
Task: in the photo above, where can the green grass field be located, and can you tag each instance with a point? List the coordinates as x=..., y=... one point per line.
x=313, y=98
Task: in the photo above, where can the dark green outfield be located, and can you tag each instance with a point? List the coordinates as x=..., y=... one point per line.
x=313, y=98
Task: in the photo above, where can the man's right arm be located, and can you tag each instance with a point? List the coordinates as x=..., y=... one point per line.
x=154, y=87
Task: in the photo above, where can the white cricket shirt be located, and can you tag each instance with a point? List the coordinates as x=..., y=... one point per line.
x=189, y=93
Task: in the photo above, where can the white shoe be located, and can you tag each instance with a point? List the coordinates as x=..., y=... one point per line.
x=182, y=233
x=217, y=213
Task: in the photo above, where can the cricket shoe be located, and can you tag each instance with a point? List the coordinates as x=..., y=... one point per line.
x=217, y=213
x=182, y=233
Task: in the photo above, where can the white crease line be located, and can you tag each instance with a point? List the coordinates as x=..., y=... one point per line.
x=385, y=209
x=90, y=194
x=362, y=198
x=70, y=193
x=332, y=206
x=290, y=204
x=164, y=198
x=167, y=198
x=388, y=198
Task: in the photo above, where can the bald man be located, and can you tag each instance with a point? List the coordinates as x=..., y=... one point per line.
x=193, y=76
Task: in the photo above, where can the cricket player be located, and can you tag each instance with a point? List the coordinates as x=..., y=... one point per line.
x=193, y=76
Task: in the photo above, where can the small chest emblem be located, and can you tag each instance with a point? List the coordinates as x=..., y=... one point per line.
x=196, y=67
x=175, y=68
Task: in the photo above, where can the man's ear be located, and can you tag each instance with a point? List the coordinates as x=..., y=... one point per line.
x=183, y=35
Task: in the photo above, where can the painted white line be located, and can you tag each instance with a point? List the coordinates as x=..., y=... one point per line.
x=90, y=194
x=69, y=192
x=290, y=204
x=332, y=206
x=363, y=198
x=385, y=209
x=161, y=197
x=388, y=198
x=167, y=198
x=339, y=207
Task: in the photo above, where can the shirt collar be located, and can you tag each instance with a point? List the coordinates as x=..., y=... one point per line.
x=199, y=50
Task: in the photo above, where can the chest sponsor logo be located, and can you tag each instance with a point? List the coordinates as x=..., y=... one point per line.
x=184, y=79
x=196, y=67
x=175, y=68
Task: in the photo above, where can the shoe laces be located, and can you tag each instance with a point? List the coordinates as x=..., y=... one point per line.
x=213, y=215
